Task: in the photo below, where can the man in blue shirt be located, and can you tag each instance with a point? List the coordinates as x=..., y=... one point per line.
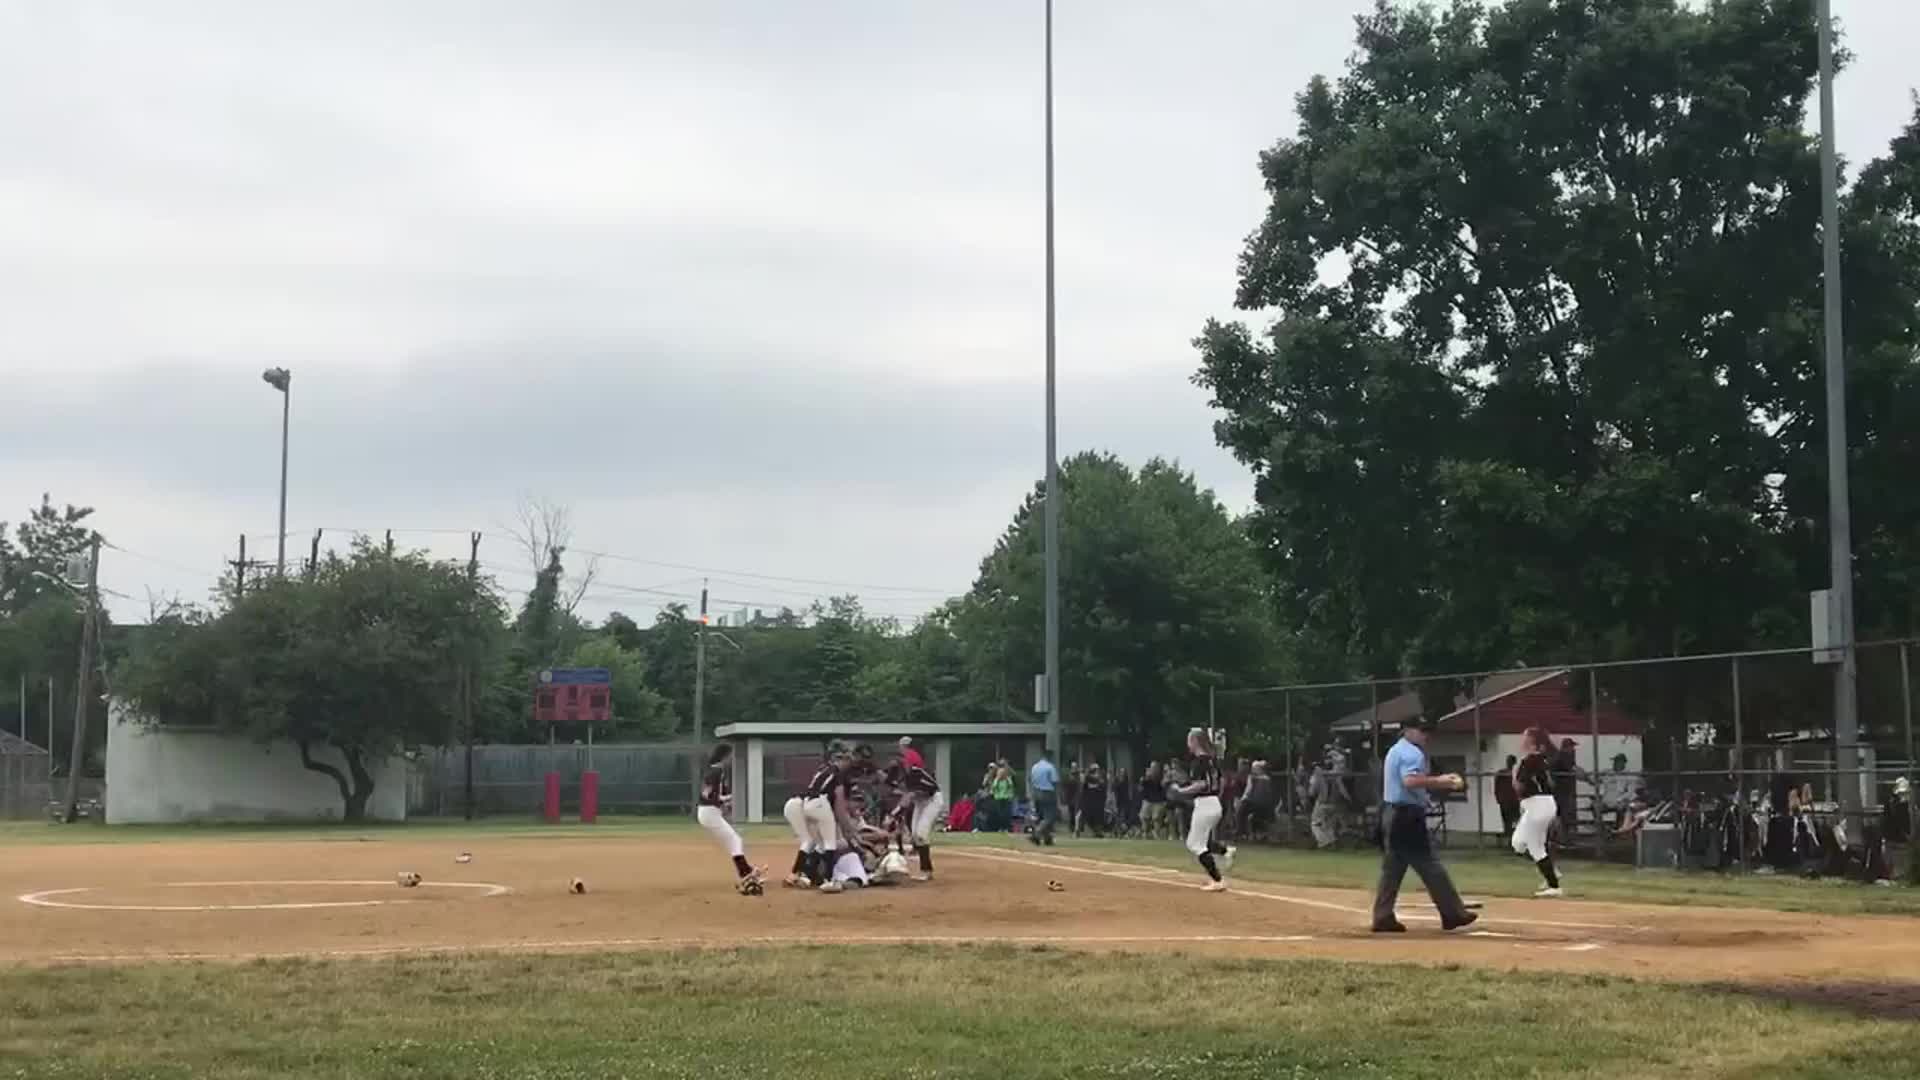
x=1042, y=779
x=1403, y=820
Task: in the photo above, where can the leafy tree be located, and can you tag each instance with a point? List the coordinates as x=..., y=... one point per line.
x=1544, y=378
x=1161, y=597
x=671, y=663
x=361, y=657
x=40, y=620
x=546, y=629
x=47, y=541
x=838, y=633
x=624, y=631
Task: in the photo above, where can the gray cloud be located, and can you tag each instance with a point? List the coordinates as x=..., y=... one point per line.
x=751, y=285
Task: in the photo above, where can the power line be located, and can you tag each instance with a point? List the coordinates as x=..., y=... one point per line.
x=714, y=571
x=721, y=572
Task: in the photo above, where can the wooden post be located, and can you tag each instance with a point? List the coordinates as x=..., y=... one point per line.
x=89, y=631
x=239, y=572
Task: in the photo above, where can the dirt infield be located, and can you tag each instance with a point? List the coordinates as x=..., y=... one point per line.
x=210, y=899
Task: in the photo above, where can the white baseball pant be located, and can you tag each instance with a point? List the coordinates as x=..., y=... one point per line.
x=1206, y=814
x=1537, y=815
x=715, y=822
x=925, y=814
x=850, y=867
x=796, y=816
x=822, y=829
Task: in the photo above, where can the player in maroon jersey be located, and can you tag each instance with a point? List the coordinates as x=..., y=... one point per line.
x=716, y=798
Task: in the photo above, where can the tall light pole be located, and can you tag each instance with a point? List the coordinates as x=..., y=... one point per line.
x=1846, y=718
x=699, y=689
x=282, y=380
x=1053, y=457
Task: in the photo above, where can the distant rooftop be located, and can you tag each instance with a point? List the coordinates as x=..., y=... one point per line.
x=15, y=746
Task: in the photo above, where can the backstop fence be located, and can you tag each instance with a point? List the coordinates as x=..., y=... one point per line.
x=644, y=778
x=1728, y=760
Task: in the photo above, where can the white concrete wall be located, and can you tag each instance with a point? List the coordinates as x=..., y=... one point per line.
x=161, y=776
x=1465, y=817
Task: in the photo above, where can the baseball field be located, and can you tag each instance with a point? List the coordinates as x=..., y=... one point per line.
x=292, y=952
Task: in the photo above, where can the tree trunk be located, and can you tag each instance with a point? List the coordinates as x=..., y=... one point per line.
x=362, y=786
x=354, y=795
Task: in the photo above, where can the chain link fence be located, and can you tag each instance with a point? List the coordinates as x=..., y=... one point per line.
x=1726, y=761
x=649, y=778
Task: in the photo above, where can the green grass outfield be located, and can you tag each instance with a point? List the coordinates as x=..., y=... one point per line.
x=1486, y=872
x=850, y=1013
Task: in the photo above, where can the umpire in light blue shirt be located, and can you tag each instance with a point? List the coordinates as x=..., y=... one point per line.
x=1042, y=780
x=1403, y=823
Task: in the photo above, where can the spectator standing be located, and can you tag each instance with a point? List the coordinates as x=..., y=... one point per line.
x=1043, y=782
x=1001, y=790
x=1179, y=806
x=1566, y=780
x=1070, y=798
x=1330, y=805
x=1896, y=817
x=1124, y=818
x=1258, y=804
x=1230, y=787
x=909, y=756
x=1093, y=801
x=1153, y=802
x=1507, y=796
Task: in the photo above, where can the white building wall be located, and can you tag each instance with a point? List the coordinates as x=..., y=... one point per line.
x=1467, y=817
x=162, y=776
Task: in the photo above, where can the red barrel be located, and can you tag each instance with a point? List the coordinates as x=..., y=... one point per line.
x=589, y=797
x=553, y=797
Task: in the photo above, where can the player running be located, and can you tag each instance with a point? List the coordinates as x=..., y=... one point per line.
x=1533, y=783
x=921, y=801
x=716, y=797
x=1203, y=787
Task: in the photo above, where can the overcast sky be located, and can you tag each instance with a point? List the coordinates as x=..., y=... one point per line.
x=753, y=286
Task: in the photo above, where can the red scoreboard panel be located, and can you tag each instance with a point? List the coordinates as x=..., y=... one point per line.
x=582, y=696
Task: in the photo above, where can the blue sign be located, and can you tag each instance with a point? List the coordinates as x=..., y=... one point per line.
x=586, y=676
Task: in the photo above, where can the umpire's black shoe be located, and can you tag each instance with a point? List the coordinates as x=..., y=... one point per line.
x=1468, y=921
x=1389, y=928
x=1035, y=837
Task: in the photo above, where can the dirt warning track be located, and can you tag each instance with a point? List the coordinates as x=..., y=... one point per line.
x=211, y=899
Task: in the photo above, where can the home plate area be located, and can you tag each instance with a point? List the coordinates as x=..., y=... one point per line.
x=236, y=898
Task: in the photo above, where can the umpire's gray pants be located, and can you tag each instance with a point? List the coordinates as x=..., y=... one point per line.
x=1408, y=847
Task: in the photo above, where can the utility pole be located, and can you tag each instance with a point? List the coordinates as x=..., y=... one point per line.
x=89, y=632
x=466, y=678
x=699, y=687
x=1053, y=457
x=1846, y=716
x=313, y=557
x=240, y=570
